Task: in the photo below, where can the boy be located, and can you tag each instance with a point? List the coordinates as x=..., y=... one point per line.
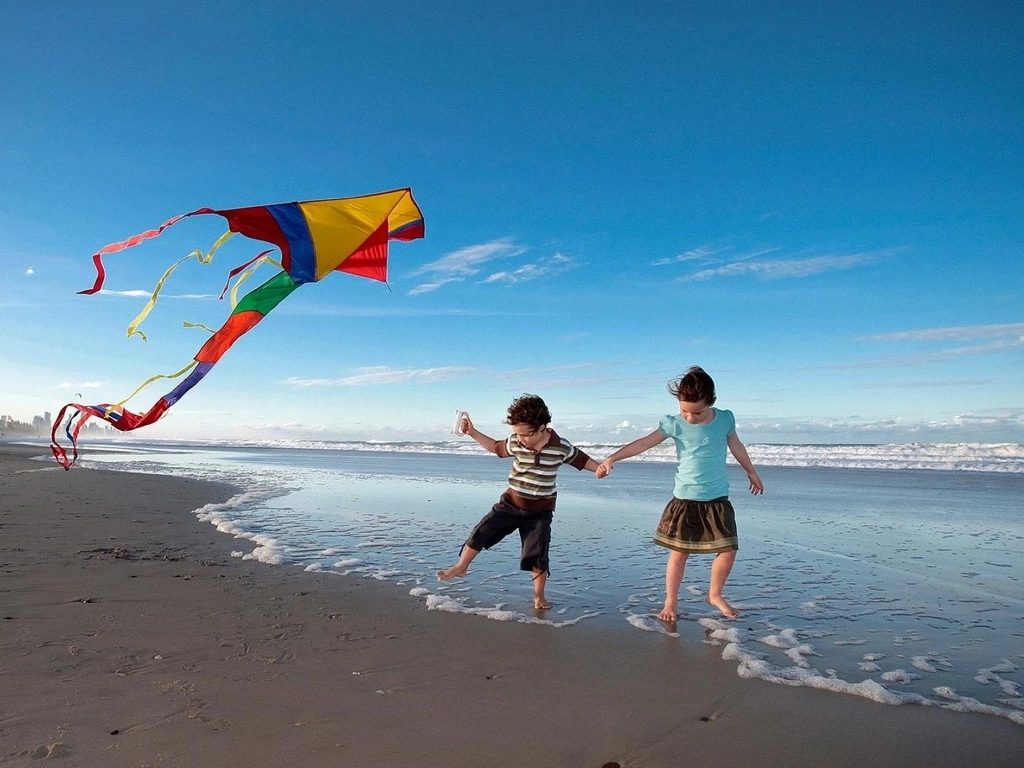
x=528, y=503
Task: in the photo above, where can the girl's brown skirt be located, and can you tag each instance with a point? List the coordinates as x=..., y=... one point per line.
x=698, y=526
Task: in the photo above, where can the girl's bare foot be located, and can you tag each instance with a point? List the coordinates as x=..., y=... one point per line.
x=727, y=610
x=668, y=613
x=451, y=573
x=540, y=604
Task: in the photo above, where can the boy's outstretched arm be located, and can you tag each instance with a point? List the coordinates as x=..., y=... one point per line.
x=739, y=452
x=638, y=446
x=487, y=443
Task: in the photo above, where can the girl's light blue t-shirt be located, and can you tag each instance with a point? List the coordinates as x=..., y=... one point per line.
x=700, y=448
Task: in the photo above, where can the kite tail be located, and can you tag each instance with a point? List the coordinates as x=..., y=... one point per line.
x=196, y=254
x=113, y=414
x=71, y=429
x=116, y=415
x=253, y=307
x=149, y=234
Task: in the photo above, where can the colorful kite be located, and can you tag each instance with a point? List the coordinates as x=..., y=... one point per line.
x=315, y=239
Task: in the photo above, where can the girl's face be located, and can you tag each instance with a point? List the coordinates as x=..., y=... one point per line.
x=696, y=413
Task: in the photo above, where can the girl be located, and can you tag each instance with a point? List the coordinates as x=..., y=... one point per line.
x=699, y=518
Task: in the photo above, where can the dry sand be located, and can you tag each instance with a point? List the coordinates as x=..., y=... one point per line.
x=131, y=637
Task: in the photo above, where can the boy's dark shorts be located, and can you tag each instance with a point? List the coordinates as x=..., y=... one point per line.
x=534, y=533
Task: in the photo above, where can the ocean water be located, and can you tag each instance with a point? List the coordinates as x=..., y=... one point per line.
x=888, y=572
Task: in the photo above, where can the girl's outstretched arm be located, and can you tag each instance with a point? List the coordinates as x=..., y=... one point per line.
x=739, y=452
x=638, y=446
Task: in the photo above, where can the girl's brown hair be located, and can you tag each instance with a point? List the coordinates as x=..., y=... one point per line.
x=694, y=386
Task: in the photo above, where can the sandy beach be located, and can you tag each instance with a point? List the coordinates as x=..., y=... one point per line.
x=129, y=636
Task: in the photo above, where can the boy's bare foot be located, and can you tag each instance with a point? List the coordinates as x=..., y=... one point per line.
x=668, y=613
x=451, y=573
x=727, y=610
x=540, y=604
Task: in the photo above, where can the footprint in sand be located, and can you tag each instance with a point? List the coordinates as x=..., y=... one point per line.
x=48, y=751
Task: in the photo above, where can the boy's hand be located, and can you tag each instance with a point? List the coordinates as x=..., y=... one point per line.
x=467, y=425
x=756, y=486
x=604, y=468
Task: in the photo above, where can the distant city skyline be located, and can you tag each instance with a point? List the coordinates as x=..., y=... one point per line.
x=41, y=425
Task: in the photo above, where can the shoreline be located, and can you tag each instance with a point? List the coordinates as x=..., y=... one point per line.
x=130, y=636
x=984, y=458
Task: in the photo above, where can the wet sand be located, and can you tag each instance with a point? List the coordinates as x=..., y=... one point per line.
x=129, y=636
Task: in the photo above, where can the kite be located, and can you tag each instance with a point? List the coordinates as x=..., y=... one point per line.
x=315, y=238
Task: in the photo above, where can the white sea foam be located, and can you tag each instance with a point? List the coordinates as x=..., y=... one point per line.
x=437, y=602
x=649, y=622
x=1007, y=687
x=797, y=655
x=899, y=676
x=933, y=662
x=753, y=666
x=268, y=549
x=969, y=457
x=966, y=704
x=785, y=639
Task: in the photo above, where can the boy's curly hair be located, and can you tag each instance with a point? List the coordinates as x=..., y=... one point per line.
x=528, y=409
x=694, y=386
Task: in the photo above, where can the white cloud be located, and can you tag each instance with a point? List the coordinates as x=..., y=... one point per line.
x=923, y=358
x=557, y=264
x=428, y=287
x=292, y=427
x=384, y=375
x=927, y=384
x=138, y=293
x=982, y=349
x=700, y=253
x=994, y=419
x=80, y=385
x=463, y=263
x=997, y=426
x=993, y=340
x=30, y=271
x=957, y=333
x=779, y=269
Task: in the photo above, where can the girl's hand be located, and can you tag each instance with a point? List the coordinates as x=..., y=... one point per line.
x=604, y=468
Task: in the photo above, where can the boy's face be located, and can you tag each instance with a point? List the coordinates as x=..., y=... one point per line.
x=696, y=413
x=529, y=436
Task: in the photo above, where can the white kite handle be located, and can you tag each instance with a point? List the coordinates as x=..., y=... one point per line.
x=457, y=427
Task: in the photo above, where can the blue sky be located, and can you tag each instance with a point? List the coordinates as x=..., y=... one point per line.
x=820, y=205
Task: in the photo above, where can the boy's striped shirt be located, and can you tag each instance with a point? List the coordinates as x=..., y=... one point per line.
x=531, y=481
